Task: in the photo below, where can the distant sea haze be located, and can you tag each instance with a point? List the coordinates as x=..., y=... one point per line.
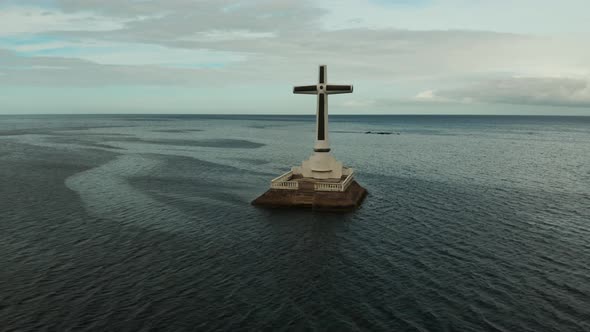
x=144, y=222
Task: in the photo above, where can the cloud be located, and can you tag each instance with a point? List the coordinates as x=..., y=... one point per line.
x=182, y=17
x=225, y=35
x=548, y=17
x=37, y=47
x=132, y=54
x=552, y=91
x=427, y=95
x=279, y=43
x=284, y=36
x=119, y=53
x=58, y=71
x=355, y=103
x=28, y=20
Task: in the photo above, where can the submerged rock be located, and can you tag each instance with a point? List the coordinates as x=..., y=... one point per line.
x=381, y=133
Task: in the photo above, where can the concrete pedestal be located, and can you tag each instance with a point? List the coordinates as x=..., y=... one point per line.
x=321, y=165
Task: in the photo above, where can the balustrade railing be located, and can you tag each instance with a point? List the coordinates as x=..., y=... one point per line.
x=282, y=182
x=326, y=186
x=348, y=181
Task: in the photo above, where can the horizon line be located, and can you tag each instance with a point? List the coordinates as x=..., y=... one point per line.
x=290, y=114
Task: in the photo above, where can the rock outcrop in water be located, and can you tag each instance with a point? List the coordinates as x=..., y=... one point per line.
x=381, y=133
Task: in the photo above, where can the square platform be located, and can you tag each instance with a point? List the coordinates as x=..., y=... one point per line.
x=305, y=196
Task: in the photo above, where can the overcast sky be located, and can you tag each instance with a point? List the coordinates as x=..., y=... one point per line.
x=218, y=56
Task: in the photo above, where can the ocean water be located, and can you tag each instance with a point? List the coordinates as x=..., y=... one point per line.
x=144, y=223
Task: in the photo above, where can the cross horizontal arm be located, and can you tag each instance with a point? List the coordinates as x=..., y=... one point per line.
x=307, y=89
x=335, y=89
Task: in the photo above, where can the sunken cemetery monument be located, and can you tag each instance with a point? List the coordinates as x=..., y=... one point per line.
x=321, y=182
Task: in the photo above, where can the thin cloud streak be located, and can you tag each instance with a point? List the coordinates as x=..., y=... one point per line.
x=564, y=92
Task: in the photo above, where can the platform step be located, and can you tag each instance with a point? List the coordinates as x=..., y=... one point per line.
x=304, y=197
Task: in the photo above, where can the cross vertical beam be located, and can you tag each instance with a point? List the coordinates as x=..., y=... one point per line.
x=321, y=123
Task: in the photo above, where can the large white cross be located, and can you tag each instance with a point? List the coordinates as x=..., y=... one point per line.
x=322, y=89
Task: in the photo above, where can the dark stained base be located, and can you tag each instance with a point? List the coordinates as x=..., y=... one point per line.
x=317, y=200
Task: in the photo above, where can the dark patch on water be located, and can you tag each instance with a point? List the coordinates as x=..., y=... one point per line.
x=268, y=125
x=209, y=143
x=93, y=141
x=92, y=135
x=60, y=131
x=180, y=131
x=105, y=146
x=148, y=119
x=100, y=140
x=251, y=161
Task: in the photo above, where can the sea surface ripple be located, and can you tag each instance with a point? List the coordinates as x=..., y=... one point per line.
x=128, y=223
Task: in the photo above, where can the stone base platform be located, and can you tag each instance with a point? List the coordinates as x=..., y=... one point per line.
x=318, y=200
